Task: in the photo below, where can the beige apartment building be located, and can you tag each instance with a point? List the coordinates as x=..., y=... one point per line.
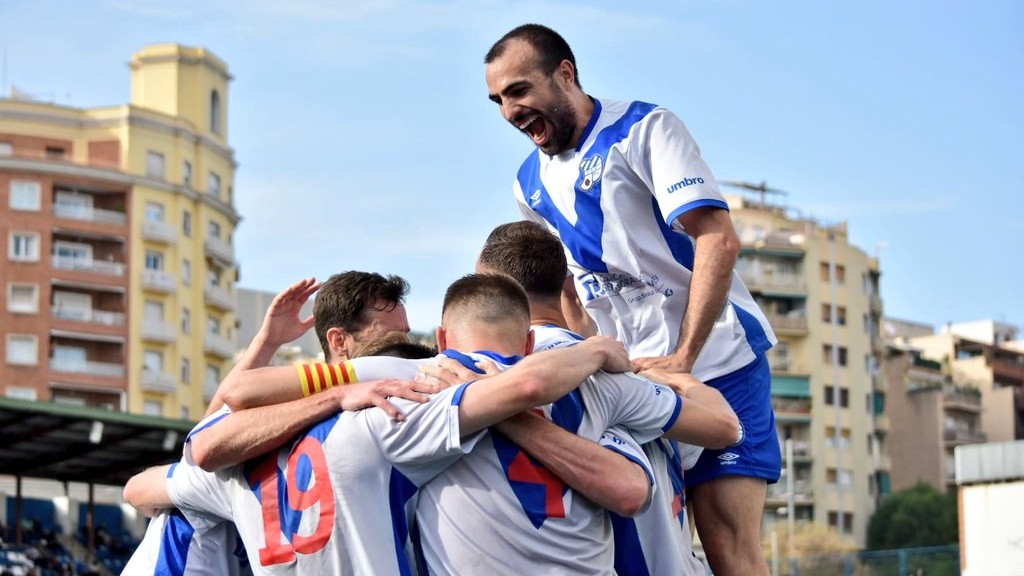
x=118, y=273
x=821, y=296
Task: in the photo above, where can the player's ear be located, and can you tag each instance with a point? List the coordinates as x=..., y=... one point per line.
x=340, y=342
x=442, y=343
x=530, y=341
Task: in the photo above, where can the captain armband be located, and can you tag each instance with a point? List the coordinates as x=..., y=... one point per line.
x=319, y=377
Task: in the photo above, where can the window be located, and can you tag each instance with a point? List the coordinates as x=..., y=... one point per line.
x=186, y=272
x=214, y=229
x=22, y=349
x=6, y=149
x=72, y=305
x=155, y=165
x=186, y=223
x=55, y=152
x=72, y=253
x=24, y=246
x=844, y=397
x=73, y=205
x=826, y=354
x=186, y=174
x=186, y=371
x=214, y=278
x=213, y=326
x=22, y=298
x=154, y=260
x=830, y=395
x=184, y=412
x=212, y=376
x=841, y=315
x=215, y=112
x=153, y=408
x=826, y=313
x=153, y=361
x=824, y=272
x=833, y=521
x=154, y=212
x=153, y=311
x=186, y=321
x=844, y=437
x=20, y=393
x=26, y=195
x=213, y=185
x=840, y=274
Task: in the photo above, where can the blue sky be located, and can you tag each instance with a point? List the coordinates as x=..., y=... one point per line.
x=366, y=141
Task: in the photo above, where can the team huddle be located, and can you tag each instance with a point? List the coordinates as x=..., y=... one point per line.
x=602, y=369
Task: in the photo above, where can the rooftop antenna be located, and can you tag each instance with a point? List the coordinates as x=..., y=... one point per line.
x=761, y=188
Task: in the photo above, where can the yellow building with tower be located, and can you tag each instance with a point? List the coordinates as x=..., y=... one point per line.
x=119, y=276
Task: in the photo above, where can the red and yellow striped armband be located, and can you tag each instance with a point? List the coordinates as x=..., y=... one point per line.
x=319, y=377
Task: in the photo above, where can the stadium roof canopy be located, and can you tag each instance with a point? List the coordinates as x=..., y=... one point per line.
x=76, y=444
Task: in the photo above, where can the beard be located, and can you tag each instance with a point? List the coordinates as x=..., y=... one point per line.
x=563, y=125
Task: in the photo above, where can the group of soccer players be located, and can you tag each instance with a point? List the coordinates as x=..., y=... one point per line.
x=525, y=443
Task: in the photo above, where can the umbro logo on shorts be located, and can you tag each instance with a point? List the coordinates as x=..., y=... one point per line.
x=728, y=458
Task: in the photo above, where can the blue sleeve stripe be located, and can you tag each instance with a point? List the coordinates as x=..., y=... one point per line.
x=695, y=204
x=205, y=426
x=457, y=397
x=632, y=458
x=170, y=471
x=675, y=413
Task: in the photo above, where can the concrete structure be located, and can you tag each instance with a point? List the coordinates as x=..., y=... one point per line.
x=821, y=296
x=252, y=307
x=990, y=496
x=118, y=273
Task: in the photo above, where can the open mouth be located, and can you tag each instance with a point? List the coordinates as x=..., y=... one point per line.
x=535, y=128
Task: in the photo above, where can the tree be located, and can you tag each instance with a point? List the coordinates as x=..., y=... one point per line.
x=915, y=517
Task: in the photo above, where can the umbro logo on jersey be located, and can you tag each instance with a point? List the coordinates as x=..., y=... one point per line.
x=535, y=198
x=728, y=458
x=591, y=168
x=684, y=183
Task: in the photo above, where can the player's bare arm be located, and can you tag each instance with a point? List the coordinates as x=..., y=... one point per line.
x=245, y=434
x=147, y=491
x=538, y=379
x=605, y=477
x=716, y=248
x=705, y=419
x=281, y=324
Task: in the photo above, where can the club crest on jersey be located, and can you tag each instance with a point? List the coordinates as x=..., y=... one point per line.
x=590, y=172
x=535, y=198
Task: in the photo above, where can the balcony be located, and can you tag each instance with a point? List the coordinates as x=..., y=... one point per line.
x=153, y=381
x=875, y=304
x=219, y=346
x=104, y=369
x=792, y=410
x=91, y=316
x=954, y=398
x=801, y=450
x=219, y=251
x=159, y=331
x=959, y=436
x=159, y=281
x=219, y=298
x=159, y=232
x=89, y=265
x=777, y=243
x=87, y=214
x=785, y=324
x=802, y=492
x=778, y=285
x=1006, y=369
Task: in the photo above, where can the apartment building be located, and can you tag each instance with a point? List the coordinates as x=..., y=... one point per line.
x=820, y=294
x=119, y=271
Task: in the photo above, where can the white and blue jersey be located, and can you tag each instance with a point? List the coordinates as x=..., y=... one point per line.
x=614, y=201
x=498, y=511
x=656, y=541
x=172, y=547
x=340, y=498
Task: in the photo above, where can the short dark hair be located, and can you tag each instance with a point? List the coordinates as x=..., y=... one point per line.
x=551, y=48
x=490, y=298
x=343, y=299
x=395, y=344
x=530, y=254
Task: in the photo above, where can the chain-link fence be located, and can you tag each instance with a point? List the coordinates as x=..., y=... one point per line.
x=931, y=561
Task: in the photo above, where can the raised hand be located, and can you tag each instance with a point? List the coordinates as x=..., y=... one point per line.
x=282, y=324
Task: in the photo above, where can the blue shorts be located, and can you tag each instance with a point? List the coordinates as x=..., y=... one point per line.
x=749, y=392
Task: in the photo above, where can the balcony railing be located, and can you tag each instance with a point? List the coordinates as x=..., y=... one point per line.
x=1007, y=368
x=219, y=250
x=785, y=323
x=154, y=381
x=89, y=265
x=964, y=436
x=159, y=231
x=791, y=409
x=875, y=304
x=160, y=331
x=90, y=214
x=959, y=399
x=802, y=491
x=106, y=369
x=762, y=282
x=219, y=298
x=89, y=315
x=159, y=280
x=219, y=346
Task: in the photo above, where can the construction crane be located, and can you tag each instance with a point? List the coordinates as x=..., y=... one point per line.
x=761, y=188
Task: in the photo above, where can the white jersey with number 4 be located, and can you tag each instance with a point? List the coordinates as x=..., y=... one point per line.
x=338, y=500
x=614, y=201
x=497, y=511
